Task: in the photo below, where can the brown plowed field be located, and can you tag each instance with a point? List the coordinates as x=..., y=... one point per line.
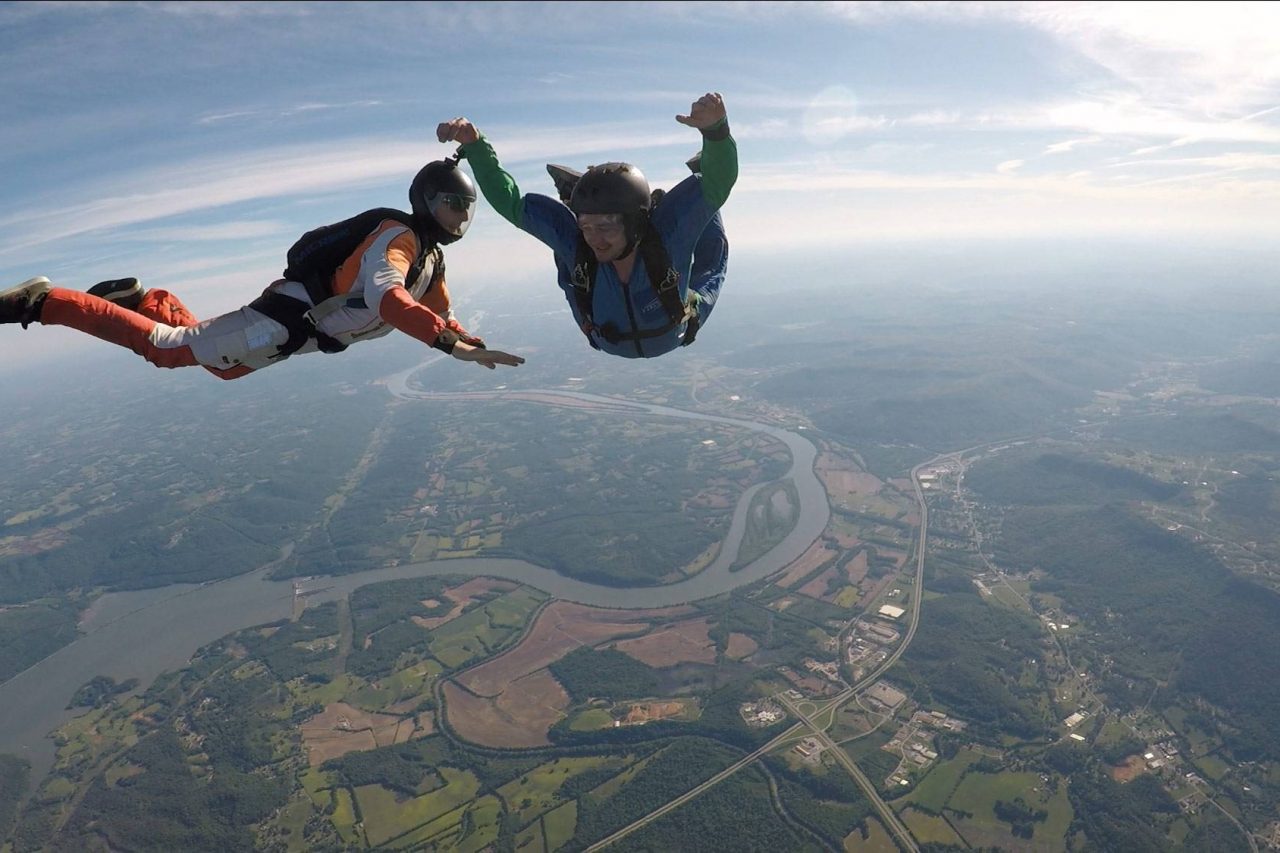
x=518, y=717
x=856, y=569
x=817, y=553
x=740, y=646
x=817, y=588
x=512, y=700
x=1132, y=768
x=844, y=480
x=560, y=629
x=341, y=728
x=683, y=641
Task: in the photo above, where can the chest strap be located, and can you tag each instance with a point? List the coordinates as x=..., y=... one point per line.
x=663, y=278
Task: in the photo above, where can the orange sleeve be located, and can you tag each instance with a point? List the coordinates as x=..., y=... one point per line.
x=414, y=319
x=437, y=298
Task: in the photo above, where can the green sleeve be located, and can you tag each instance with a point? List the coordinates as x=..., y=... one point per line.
x=719, y=167
x=499, y=188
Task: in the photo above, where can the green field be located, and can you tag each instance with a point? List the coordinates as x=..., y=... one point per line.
x=293, y=819
x=412, y=682
x=445, y=832
x=937, y=787
x=1007, y=597
x=1212, y=766
x=847, y=596
x=485, y=813
x=512, y=610
x=536, y=791
x=929, y=829
x=344, y=816
x=878, y=839
x=591, y=719
x=480, y=631
x=307, y=693
x=560, y=825
x=317, y=785
x=978, y=792
x=387, y=815
x=529, y=839
x=1201, y=743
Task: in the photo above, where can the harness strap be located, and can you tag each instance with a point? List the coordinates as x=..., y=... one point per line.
x=663, y=277
x=294, y=315
x=319, y=282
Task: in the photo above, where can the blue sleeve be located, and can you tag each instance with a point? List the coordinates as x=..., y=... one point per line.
x=710, y=263
x=551, y=222
x=682, y=216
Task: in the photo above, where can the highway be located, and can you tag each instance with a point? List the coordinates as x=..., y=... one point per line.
x=887, y=815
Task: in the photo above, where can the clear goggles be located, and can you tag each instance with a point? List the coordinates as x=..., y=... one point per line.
x=452, y=211
x=606, y=225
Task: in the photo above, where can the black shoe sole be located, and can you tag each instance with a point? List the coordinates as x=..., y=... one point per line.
x=125, y=292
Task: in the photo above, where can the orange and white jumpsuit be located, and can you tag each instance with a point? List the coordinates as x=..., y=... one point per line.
x=379, y=299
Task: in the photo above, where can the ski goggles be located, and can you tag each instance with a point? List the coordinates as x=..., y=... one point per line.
x=454, y=201
x=452, y=211
x=606, y=225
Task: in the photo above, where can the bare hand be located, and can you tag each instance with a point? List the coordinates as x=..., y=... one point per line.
x=489, y=358
x=457, y=130
x=704, y=113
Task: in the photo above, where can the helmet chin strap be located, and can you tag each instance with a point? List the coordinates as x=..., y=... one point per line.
x=635, y=225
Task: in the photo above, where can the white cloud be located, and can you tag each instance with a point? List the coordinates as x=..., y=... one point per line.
x=283, y=112
x=1218, y=59
x=239, y=230
x=1175, y=70
x=129, y=198
x=1008, y=167
x=1236, y=162
x=1127, y=116
x=1067, y=145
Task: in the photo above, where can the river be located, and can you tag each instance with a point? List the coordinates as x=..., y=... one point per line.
x=143, y=634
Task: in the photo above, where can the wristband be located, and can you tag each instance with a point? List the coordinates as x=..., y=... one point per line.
x=717, y=131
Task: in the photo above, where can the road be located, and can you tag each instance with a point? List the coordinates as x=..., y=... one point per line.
x=868, y=788
x=887, y=815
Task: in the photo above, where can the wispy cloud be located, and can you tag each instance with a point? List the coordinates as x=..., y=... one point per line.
x=1083, y=185
x=182, y=189
x=283, y=112
x=1067, y=145
x=239, y=230
x=1008, y=167
x=1233, y=162
x=1198, y=71
x=1215, y=59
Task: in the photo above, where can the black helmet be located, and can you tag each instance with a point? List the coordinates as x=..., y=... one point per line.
x=438, y=185
x=611, y=188
x=615, y=188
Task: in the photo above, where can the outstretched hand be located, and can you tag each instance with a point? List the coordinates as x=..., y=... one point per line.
x=489, y=358
x=457, y=130
x=705, y=112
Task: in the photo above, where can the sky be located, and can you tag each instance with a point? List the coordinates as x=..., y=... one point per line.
x=189, y=144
